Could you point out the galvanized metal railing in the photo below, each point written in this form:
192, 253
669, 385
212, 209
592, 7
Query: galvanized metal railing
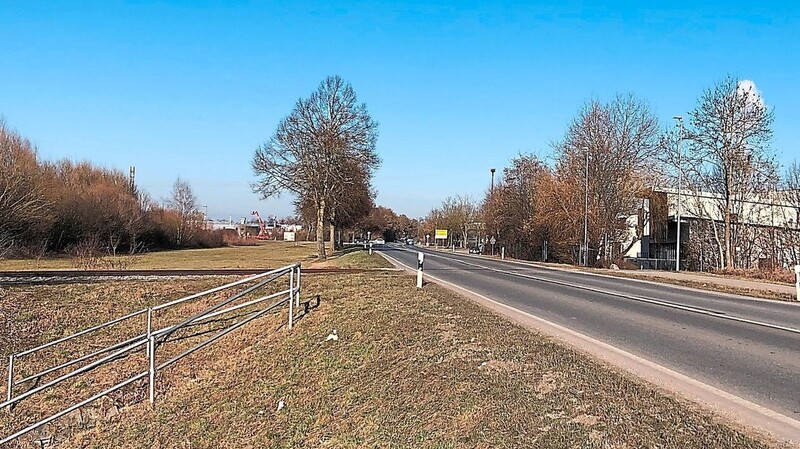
151, 339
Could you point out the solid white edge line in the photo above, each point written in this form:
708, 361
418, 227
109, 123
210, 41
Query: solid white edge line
638, 298
740, 297
753, 407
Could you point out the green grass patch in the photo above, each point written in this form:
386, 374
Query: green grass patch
271, 254
361, 258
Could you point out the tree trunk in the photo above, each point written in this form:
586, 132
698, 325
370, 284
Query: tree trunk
333, 237
321, 230
728, 242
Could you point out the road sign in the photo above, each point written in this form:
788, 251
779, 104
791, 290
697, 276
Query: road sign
493, 240
441, 234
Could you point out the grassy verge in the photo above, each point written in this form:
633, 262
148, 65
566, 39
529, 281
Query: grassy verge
265, 255
359, 259
709, 286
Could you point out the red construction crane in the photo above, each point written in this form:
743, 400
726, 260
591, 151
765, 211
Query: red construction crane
262, 228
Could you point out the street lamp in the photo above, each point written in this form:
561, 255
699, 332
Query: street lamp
679, 120
205, 217
586, 212
492, 188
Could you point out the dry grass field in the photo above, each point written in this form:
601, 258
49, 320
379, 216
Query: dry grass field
410, 368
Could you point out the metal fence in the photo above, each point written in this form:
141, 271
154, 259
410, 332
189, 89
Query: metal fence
150, 339
645, 263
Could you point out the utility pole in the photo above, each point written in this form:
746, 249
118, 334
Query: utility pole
680, 177
586, 212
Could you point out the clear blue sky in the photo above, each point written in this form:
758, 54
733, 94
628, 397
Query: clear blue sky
191, 88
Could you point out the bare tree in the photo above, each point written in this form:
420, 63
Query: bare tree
790, 237
619, 142
346, 208
22, 202
308, 151
728, 154
184, 202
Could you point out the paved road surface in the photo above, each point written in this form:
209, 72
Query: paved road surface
750, 348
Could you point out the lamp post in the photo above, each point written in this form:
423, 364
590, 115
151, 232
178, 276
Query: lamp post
494, 218
679, 120
205, 217
586, 212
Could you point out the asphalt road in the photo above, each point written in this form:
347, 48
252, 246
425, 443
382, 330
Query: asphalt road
749, 348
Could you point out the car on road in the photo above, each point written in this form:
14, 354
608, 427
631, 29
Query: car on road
380, 241
476, 250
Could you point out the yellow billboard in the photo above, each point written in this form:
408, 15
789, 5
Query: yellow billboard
441, 234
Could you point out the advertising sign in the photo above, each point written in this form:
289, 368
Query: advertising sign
441, 234
288, 236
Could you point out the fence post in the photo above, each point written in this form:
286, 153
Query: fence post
151, 352
297, 303
291, 298
149, 328
797, 282
10, 392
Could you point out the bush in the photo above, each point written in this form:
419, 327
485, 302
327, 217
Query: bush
773, 275
204, 238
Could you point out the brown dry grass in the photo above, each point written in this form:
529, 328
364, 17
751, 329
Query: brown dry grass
270, 254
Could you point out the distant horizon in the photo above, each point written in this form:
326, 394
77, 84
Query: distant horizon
184, 90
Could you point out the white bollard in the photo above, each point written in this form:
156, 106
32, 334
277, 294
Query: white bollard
797, 282
502, 252
420, 260
370, 249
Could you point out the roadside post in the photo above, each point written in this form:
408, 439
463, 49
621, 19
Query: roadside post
502, 252
370, 248
420, 260
797, 282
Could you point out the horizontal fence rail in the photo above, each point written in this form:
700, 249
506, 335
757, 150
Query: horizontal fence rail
151, 339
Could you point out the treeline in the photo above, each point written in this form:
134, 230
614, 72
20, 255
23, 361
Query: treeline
583, 203
78, 207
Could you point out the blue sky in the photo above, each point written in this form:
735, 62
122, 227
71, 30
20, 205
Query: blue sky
191, 88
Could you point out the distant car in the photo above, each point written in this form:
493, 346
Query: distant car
475, 250
409, 241
380, 241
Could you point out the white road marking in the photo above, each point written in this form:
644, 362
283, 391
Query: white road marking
632, 297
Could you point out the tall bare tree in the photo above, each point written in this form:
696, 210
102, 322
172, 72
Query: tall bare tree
184, 202
621, 140
728, 152
323, 133
22, 202
790, 237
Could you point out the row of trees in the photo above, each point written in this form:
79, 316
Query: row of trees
610, 157
63, 206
